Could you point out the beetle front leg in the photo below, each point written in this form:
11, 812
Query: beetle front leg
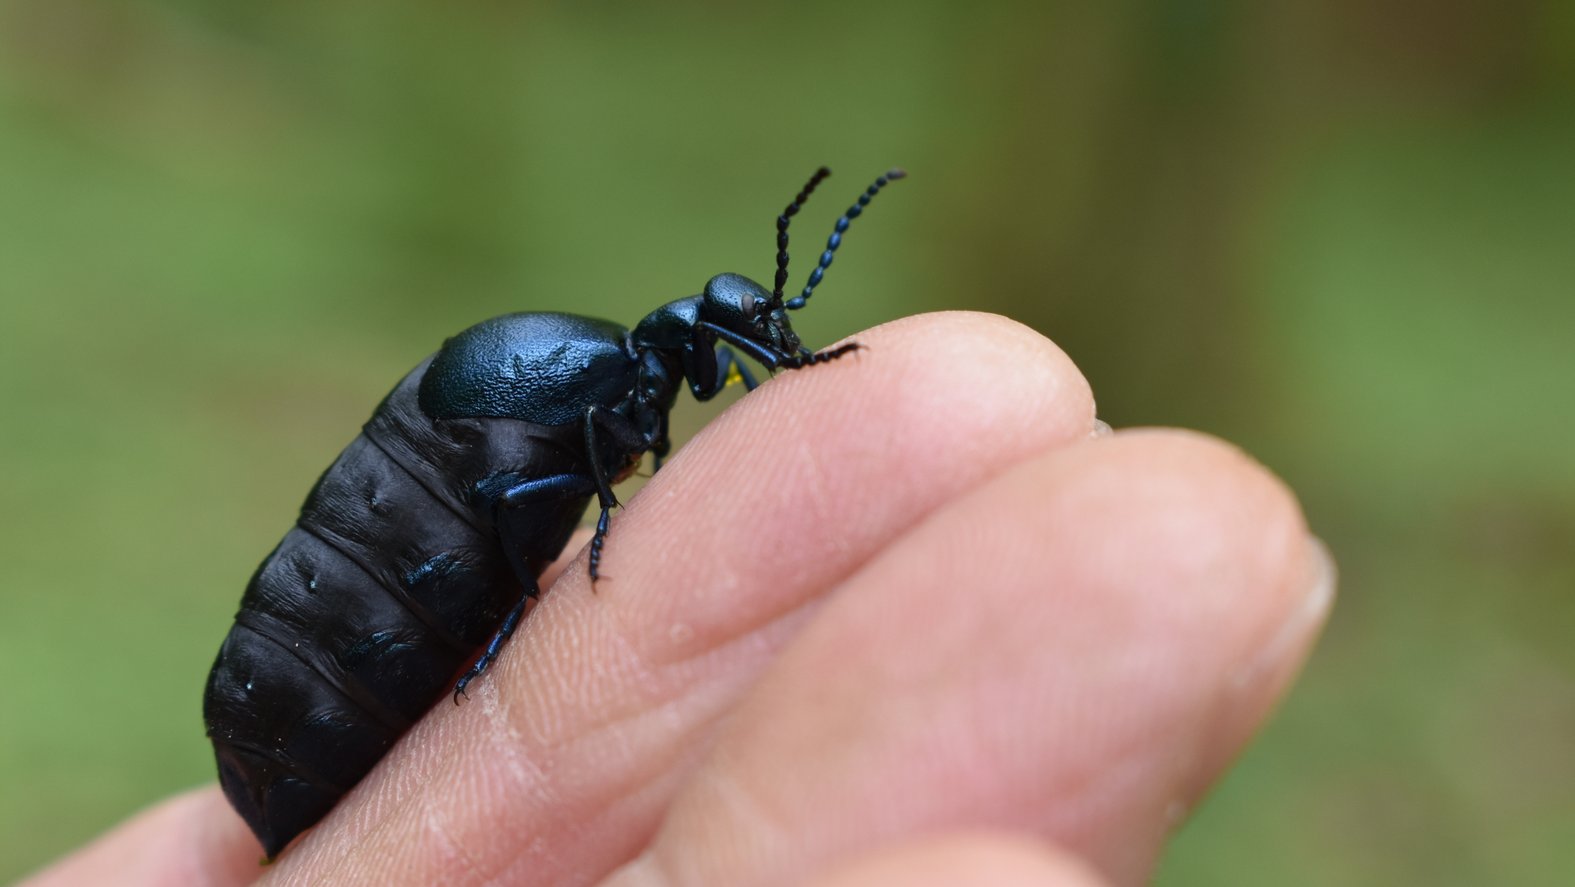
806, 357
767, 357
776, 359
726, 360
662, 447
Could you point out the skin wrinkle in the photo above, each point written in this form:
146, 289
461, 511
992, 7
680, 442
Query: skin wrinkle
523, 775
691, 727
435, 835
525, 864
721, 784
658, 672
529, 776
520, 777
630, 670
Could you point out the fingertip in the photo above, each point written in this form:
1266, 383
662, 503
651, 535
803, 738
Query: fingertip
955, 357
924, 376
1224, 524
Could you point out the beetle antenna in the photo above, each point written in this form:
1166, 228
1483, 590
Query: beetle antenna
782, 235
835, 240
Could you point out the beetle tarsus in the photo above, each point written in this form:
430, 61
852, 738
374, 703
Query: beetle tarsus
811, 358
597, 541
505, 630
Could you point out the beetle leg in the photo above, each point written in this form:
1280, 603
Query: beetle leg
627, 441
726, 360
557, 486
770, 358
776, 359
661, 448
514, 515
510, 622
604, 493
701, 365
810, 358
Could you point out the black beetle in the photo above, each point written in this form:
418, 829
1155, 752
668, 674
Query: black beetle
417, 550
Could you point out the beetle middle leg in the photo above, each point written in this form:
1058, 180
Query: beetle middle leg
727, 361
662, 447
627, 440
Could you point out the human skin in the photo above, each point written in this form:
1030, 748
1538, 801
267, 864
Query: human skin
905, 617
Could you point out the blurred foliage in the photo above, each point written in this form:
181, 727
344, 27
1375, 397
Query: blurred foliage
1339, 234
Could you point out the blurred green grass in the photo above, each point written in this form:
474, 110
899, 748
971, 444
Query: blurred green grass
1340, 238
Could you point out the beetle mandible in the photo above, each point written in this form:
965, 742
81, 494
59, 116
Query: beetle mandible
418, 550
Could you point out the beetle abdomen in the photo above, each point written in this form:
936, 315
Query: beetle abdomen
347, 634
391, 581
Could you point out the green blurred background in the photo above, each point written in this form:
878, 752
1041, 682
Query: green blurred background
1342, 238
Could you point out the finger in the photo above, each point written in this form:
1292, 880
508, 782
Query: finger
996, 860
194, 839
1075, 648
560, 766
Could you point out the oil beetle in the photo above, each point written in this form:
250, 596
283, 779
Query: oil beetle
417, 551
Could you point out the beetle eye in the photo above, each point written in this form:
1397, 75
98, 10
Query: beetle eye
747, 303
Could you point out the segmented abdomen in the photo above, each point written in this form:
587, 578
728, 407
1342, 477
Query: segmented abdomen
347, 634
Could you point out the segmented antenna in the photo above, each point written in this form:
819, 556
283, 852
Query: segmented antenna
836, 237
782, 235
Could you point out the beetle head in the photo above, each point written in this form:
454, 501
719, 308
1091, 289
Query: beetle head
747, 308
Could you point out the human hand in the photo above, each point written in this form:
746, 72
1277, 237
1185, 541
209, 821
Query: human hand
902, 619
